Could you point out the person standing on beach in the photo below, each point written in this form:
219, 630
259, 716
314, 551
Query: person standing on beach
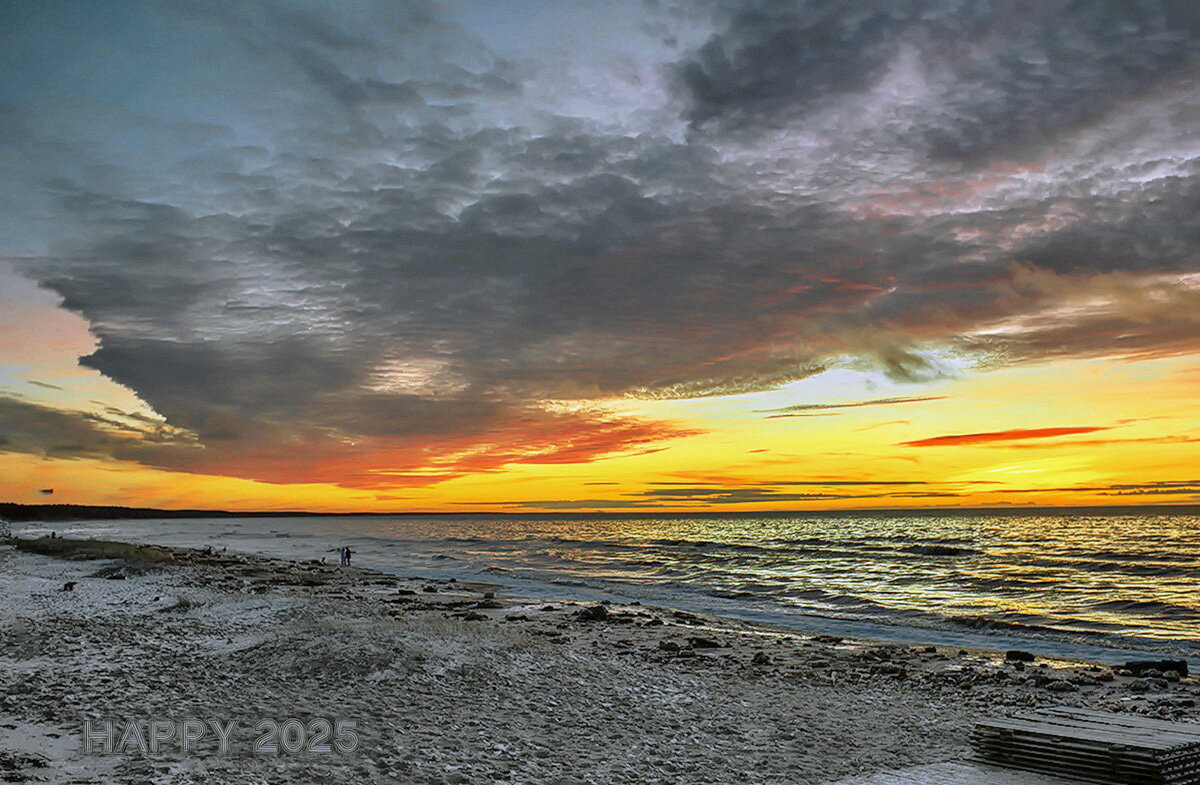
349, 553
342, 558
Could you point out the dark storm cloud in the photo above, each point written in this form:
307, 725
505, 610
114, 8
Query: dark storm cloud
1008, 72
364, 231
28, 427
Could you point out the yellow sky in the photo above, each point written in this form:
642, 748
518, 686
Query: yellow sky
1131, 437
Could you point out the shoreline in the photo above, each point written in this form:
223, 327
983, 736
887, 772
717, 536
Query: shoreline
419, 662
905, 627
908, 635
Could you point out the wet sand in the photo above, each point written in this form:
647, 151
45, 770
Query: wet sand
448, 682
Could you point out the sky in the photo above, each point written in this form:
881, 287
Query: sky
571, 256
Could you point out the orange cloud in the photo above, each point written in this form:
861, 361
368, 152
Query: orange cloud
1011, 435
381, 463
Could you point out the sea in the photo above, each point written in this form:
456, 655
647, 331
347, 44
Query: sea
1101, 586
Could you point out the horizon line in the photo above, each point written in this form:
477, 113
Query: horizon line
149, 512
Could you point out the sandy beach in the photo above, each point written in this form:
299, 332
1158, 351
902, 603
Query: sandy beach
445, 682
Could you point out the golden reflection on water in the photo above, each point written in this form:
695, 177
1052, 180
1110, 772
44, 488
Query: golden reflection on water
1119, 574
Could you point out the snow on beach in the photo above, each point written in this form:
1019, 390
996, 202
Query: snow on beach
449, 682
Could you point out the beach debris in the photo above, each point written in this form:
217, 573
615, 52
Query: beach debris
1017, 655
69, 586
760, 658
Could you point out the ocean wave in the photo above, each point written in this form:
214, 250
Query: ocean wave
941, 550
1156, 608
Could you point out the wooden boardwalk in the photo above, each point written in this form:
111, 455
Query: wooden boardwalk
1065, 746
955, 774
1093, 746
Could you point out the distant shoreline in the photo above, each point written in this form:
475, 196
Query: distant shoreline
24, 513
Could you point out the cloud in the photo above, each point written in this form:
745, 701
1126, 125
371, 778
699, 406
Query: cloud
1012, 435
1153, 488
989, 75
674, 494
388, 234
1173, 439
828, 482
791, 411
281, 454
28, 427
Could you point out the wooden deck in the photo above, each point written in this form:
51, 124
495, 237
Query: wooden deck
1062, 747
955, 774
1092, 746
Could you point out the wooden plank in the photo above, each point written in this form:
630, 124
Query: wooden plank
1101, 747
1178, 732
1066, 743
955, 773
1104, 768
1187, 729
1018, 727
1152, 738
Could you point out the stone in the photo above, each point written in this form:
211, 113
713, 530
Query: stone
1140, 667
703, 643
1058, 685
593, 613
